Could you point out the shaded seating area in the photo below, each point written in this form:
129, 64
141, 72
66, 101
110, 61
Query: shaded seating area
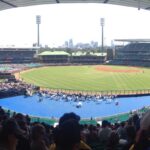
17, 55
135, 54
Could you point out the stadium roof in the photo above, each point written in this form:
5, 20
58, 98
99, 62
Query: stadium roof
133, 40
46, 53
99, 54
91, 54
79, 54
7, 4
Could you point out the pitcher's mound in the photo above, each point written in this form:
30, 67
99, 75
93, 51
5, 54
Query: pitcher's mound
121, 70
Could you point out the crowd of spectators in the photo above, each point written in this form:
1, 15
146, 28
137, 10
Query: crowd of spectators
17, 55
11, 68
15, 88
134, 54
18, 133
76, 97
9, 86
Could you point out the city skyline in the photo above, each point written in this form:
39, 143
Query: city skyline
70, 44
80, 22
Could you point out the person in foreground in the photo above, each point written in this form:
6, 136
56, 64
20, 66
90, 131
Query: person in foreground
9, 135
67, 135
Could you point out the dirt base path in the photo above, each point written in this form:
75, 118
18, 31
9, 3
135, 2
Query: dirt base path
110, 69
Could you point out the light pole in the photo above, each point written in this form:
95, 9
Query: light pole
102, 21
38, 22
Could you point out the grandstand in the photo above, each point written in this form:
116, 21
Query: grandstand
62, 57
91, 58
135, 53
17, 55
53, 57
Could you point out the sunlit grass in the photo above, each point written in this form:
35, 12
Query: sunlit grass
87, 78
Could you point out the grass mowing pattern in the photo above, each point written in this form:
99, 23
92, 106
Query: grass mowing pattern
87, 78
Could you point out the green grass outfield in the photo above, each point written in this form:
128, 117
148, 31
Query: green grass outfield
88, 78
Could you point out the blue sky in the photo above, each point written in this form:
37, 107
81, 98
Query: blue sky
81, 22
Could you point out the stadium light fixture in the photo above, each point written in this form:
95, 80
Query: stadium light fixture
102, 22
38, 22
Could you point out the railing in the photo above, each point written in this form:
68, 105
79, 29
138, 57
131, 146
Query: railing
135, 92
112, 119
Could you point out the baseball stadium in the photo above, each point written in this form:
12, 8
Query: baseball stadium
40, 90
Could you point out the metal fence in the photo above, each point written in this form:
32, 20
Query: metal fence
135, 92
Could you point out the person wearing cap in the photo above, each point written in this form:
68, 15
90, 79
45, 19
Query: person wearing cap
9, 135
67, 135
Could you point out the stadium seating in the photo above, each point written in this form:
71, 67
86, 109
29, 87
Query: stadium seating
135, 54
17, 56
57, 57
87, 59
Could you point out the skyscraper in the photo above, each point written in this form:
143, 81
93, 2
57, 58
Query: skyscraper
70, 44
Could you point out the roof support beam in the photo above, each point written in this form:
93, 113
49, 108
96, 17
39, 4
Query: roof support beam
105, 1
147, 8
139, 4
10, 4
57, 1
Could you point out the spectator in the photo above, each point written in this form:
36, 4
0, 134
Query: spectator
104, 132
121, 131
73, 119
9, 135
131, 133
68, 136
38, 135
113, 141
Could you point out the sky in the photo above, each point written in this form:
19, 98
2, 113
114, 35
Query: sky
80, 22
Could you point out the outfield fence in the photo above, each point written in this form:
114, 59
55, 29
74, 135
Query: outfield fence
137, 92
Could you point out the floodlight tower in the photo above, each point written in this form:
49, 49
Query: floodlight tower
102, 21
38, 22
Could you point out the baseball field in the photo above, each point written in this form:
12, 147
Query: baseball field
89, 78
